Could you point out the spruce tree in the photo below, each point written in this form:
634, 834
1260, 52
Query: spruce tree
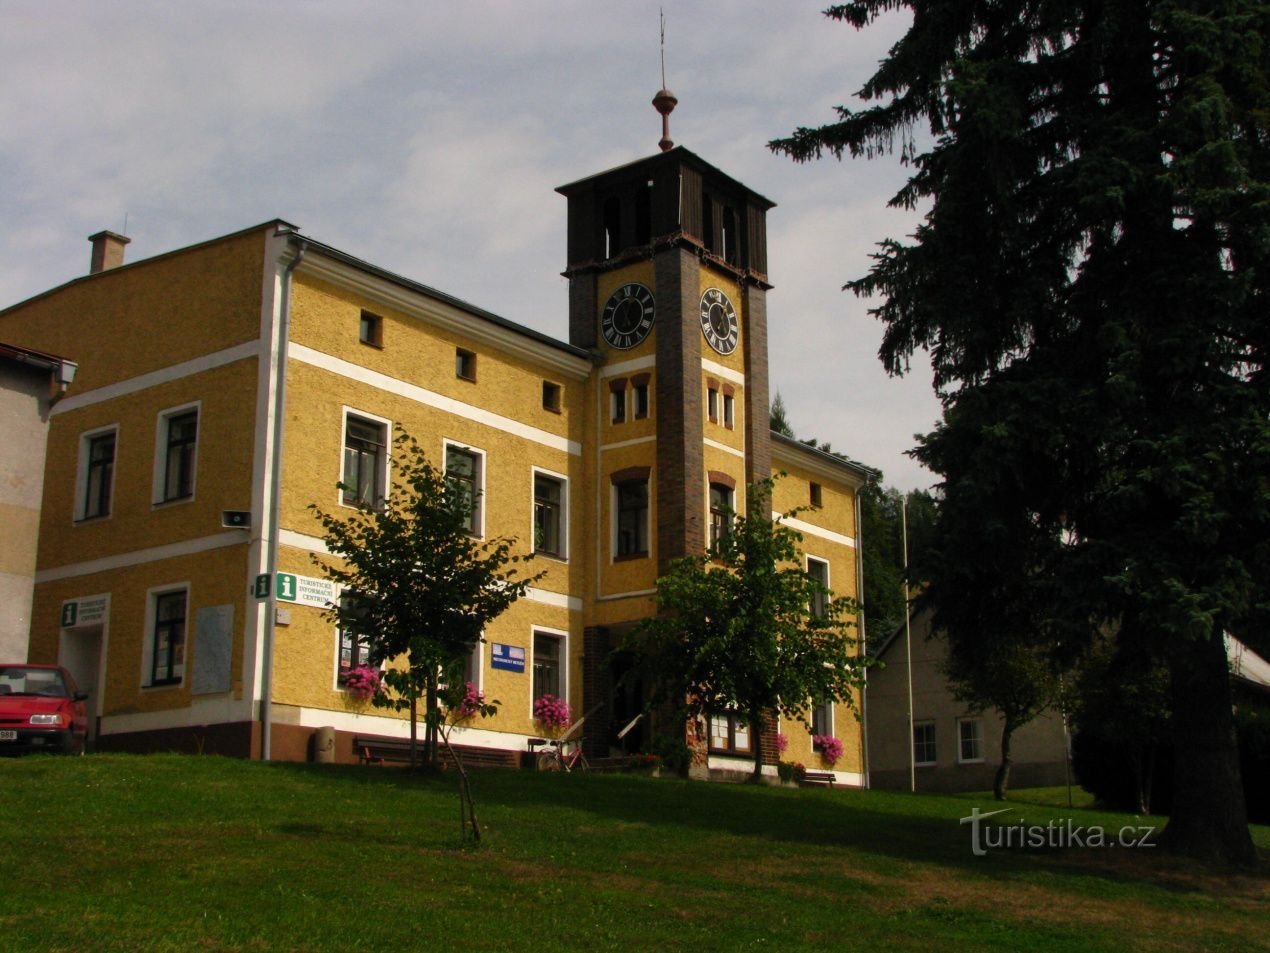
1090, 278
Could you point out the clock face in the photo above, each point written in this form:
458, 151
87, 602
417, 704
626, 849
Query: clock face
718, 321
628, 315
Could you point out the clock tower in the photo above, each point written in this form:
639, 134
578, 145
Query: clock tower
667, 269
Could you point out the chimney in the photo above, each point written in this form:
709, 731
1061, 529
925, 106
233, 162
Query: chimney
107, 251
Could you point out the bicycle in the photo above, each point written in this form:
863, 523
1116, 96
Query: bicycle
554, 756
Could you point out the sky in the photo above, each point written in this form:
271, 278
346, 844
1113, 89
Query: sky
429, 137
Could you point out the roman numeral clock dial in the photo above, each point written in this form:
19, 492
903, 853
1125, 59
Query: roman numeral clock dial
718, 321
628, 315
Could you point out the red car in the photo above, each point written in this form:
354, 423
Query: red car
41, 710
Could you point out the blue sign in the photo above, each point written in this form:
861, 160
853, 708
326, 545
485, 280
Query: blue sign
510, 658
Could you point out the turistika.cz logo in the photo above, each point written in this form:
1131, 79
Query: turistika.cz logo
1055, 834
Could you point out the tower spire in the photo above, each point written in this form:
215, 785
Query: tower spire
664, 102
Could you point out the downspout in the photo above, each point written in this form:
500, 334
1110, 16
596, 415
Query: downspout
864, 644
275, 499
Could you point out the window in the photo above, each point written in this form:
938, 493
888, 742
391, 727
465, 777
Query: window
98, 463
721, 509
549, 515
822, 718
167, 643
639, 394
924, 742
551, 396
712, 403
617, 400
729, 411
464, 364
371, 330
970, 740
729, 733
632, 517
817, 495
463, 470
818, 569
178, 443
354, 650
365, 461
548, 665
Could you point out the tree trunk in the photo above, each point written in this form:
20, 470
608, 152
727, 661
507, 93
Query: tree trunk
1001, 782
756, 742
430, 727
414, 727
1209, 820
1148, 778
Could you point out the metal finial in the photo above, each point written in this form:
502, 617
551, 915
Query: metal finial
664, 102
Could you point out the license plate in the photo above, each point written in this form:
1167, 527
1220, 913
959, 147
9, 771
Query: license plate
8, 735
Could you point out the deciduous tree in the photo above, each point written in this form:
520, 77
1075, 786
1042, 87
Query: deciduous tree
736, 629
415, 584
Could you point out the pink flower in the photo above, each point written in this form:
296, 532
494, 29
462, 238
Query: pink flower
552, 713
830, 748
471, 703
782, 742
362, 682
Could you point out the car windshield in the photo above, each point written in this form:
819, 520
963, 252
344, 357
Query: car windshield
25, 680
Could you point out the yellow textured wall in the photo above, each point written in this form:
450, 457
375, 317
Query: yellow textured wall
143, 317
222, 477
216, 578
327, 319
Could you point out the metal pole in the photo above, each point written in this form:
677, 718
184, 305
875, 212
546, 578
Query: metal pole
908, 652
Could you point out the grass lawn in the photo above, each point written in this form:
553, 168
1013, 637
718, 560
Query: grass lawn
116, 852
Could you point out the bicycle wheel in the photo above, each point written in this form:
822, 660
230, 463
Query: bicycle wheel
549, 761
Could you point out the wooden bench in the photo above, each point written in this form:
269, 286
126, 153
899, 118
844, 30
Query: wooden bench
818, 777
379, 750
373, 750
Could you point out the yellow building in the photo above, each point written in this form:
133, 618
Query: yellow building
225, 387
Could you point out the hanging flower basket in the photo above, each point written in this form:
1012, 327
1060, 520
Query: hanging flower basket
552, 714
362, 682
830, 748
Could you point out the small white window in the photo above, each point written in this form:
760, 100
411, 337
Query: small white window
465, 471
550, 664
364, 473
818, 569
729, 411
163, 654
95, 480
969, 740
551, 514
176, 453
822, 718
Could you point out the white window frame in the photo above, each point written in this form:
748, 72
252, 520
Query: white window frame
81, 474
384, 422
335, 675
563, 480
829, 706
730, 517
978, 723
163, 422
147, 644
481, 477
820, 560
912, 740
729, 411
563, 637
617, 400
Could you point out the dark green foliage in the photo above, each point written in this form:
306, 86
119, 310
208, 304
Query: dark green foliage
735, 628
780, 417
882, 532
1090, 278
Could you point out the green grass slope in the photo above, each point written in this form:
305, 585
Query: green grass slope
168, 853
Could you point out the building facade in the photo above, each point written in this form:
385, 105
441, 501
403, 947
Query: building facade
229, 385
952, 746
30, 383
